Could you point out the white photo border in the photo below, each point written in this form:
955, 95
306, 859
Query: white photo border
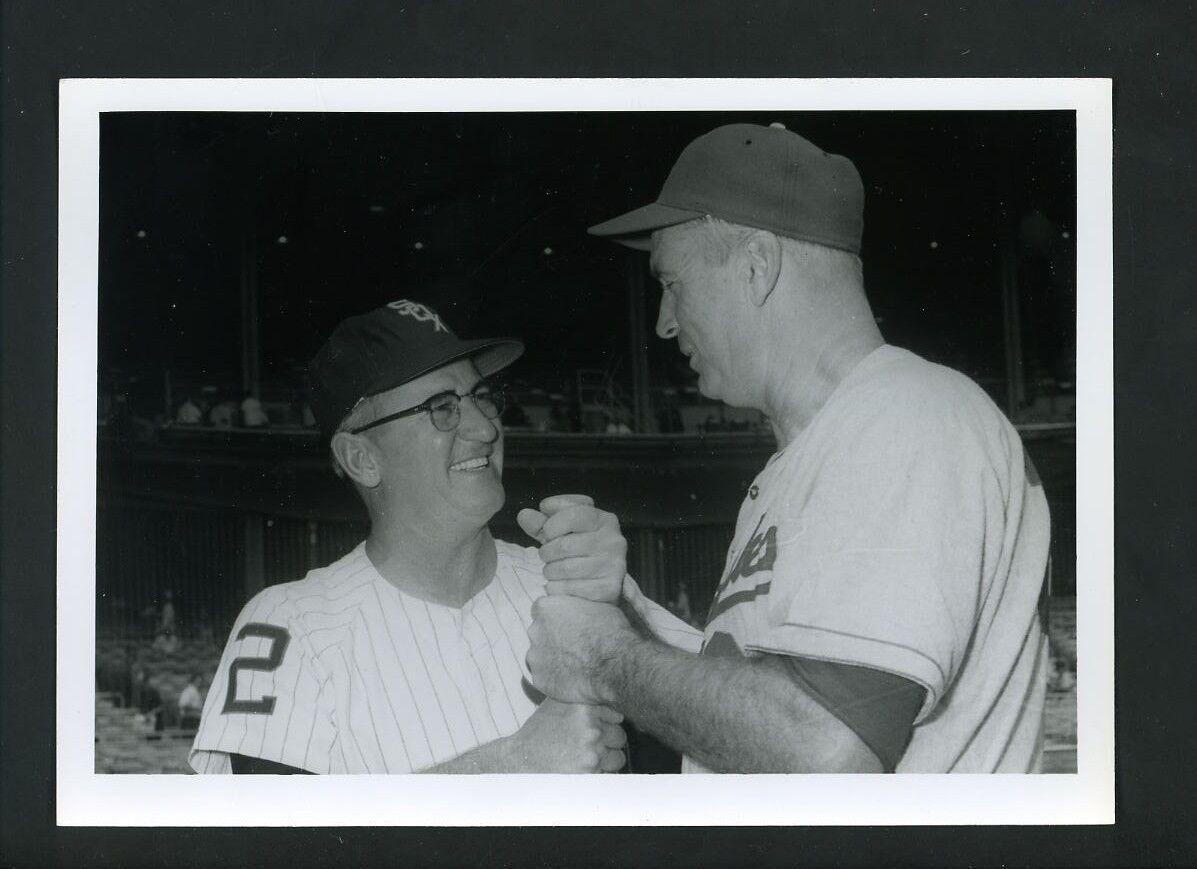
87, 798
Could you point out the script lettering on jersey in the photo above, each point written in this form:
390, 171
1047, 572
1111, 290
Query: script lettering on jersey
759, 553
279, 638
416, 311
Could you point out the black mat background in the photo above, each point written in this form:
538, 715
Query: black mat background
1146, 48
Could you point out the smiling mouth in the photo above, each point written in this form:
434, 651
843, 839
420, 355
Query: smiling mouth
474, 464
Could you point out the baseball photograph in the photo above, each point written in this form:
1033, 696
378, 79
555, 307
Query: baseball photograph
621, 433
663, 441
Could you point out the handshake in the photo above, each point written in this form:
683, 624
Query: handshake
575, 628
583, 550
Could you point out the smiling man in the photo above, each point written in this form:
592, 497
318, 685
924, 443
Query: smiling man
881, 604
407, 654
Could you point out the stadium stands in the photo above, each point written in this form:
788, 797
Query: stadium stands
1059, 754
127, 744
126, 740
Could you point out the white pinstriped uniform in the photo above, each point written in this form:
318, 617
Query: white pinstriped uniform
367, 679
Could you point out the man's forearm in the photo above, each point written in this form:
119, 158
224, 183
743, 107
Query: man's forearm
493, 757
730, 714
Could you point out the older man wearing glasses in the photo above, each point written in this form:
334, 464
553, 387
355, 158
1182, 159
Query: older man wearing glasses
407, 654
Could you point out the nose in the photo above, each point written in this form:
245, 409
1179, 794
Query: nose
474, 425
666, 320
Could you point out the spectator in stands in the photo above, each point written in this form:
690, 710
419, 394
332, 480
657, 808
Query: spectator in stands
1063, 671
166, 639
146, 698
224, 414
167, 643
116, 675
680, 606
558, 419
252, 414
189, 412
167, 617
1063, 678
515, 416
669, 419
205, 633
191, 702
617, 424
159, 616
136, 685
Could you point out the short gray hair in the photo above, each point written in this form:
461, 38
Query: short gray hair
717, 238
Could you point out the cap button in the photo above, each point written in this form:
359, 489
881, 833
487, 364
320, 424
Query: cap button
778, 125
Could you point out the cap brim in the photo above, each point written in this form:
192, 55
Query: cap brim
495, 354
490, 355
635, 228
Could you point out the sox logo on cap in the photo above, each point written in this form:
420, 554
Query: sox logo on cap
417, 311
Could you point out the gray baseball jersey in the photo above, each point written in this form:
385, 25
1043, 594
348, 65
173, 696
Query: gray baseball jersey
904, 530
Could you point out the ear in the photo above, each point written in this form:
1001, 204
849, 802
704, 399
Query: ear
763, 252
355, 455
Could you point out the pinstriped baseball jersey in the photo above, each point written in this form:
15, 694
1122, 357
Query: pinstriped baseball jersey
341, 672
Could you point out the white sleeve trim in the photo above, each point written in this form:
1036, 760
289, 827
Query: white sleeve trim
207, 762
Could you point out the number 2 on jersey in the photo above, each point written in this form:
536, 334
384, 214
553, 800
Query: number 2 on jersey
279, 638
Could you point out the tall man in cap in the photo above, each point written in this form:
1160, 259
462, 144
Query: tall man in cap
407, 654
881, 604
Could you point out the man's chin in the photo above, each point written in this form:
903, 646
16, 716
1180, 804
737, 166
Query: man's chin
708, 389
484, 500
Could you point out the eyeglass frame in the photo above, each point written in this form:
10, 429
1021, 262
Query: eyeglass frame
492, 386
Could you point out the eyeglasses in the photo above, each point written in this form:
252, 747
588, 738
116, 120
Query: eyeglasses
444, 408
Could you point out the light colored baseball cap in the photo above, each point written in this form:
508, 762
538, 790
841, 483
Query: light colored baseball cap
764, 177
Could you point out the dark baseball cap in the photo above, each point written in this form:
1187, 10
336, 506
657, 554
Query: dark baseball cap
388, 347
764, 177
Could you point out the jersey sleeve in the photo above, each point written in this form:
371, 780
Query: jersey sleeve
269, 698
663, 624
882, 567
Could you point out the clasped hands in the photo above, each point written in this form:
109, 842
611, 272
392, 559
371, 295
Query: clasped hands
577, 627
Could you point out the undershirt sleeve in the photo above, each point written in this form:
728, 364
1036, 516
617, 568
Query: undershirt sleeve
243, 765
879, 707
